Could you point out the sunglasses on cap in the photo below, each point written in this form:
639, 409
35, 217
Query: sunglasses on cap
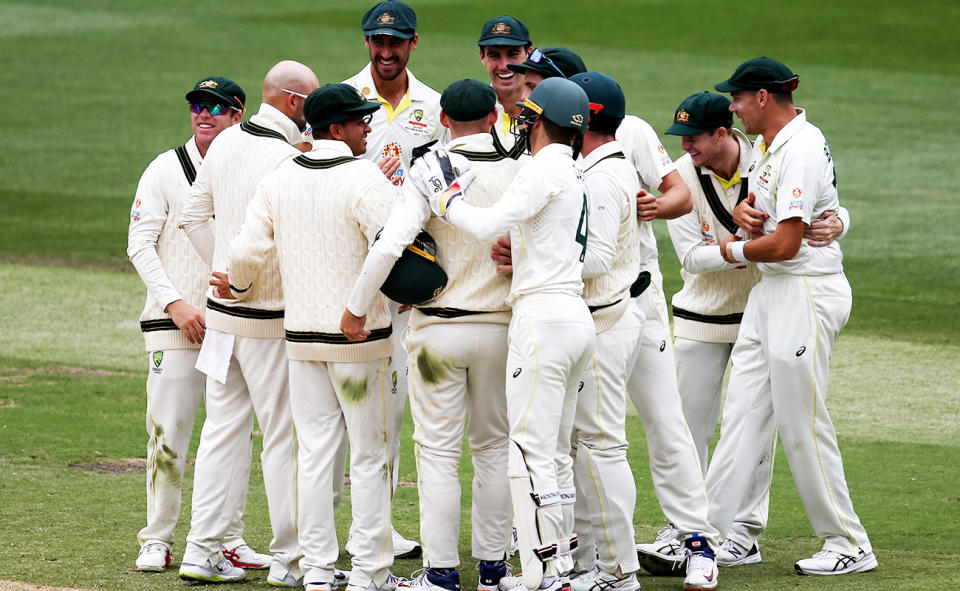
212, 108
538, 57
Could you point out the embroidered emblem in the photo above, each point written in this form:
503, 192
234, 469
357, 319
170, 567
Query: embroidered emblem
500, 29
385, 19
207, 84
683, 116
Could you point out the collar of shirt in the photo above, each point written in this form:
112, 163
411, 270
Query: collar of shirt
599, 154
788, 131
329, 149
741, 173
194, 152
554, 150
416, 90
477, 142
272, 118
503, 118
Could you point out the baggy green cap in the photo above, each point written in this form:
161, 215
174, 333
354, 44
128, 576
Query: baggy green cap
504, 30
392, 18
335, 103
761, 73
704, 111
225, 89
468, 100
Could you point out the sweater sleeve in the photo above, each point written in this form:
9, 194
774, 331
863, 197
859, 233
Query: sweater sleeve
197, 213
147, 218
248, 250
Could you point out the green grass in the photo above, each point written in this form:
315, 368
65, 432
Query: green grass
94, 90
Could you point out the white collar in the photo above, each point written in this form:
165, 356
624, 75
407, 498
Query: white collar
272, 118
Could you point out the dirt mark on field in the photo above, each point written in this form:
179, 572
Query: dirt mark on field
18, 586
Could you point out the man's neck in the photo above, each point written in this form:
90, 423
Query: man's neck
592, 141
391, 91
202, 147
729, 159
509, 103
776, 121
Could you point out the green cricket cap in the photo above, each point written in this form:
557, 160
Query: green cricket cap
761, 73
504, 30
468, 100
224, 89
392, 18
550, 62
416, 277
335, 103
704, 111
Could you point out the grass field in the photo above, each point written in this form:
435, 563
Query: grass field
93, 91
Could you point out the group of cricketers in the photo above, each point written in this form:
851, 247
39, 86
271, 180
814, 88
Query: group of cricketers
522, 209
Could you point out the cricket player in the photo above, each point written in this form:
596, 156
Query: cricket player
708, 310
410, 117
606, 493
551, 334
504, 41
173, 326
335, 385
782, 354
246, 359
458, 350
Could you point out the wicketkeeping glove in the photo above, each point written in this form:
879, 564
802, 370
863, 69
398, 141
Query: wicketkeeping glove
441, 177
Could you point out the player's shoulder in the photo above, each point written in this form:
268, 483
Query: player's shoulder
634, 127
419, 90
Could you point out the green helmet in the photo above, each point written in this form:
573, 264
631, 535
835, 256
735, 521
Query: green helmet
561, 101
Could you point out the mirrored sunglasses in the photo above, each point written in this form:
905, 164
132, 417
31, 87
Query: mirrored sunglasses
537, 57
212, 108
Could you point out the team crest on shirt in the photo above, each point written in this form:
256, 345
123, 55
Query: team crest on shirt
664, 157
797, 193
420, 122
764, 178
393, 383
707, 236
157, 360
418, 114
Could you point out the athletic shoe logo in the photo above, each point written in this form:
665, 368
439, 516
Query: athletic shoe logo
663, 346
801, 351
580, 387
517, 372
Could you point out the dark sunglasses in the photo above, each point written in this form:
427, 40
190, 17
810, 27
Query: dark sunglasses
212, 108
537, 57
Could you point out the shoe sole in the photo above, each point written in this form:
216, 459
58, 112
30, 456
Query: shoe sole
867, 565
149, 569
752, 559
701, 587
203, 579
414, 553
659, 565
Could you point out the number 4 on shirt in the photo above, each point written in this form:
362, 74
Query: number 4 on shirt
582, 228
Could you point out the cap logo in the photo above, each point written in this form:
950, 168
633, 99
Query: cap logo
500, 29
683, 116
386, 19
207, 84
577, 120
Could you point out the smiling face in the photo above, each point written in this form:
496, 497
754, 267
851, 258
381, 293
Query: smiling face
352, 132
705, 148
495, 59
206, 126
746, 105
389, 55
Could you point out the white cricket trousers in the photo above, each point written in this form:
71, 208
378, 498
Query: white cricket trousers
174, 392
781, 364
700, 369
606, 491
256, 383
457, 369
551, 342
674, 464
329, 399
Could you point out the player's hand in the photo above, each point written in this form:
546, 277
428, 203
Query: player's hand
188, 319
502, 254
305, 146
748, 217
646, 206
221, 286
388, 166
725, 248
401, 308
824, 230
352, 326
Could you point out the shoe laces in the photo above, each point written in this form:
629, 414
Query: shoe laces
153, 546
826, 554
667, 533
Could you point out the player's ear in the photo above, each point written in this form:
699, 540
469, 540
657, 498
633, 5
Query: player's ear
492, 118
444, 119
413, 41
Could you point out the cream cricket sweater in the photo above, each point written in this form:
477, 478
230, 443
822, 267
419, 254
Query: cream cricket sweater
475, 292
613, 241
319, 213
167, 263
238, 159
710, 305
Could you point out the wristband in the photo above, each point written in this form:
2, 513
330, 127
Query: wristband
736, 251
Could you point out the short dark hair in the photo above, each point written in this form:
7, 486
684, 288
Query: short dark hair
557, 134
783, 98
603, 124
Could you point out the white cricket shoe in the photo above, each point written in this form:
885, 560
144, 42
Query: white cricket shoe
732, 553
221, 572
515, 583
244, 556
390, 584
598, 580
404, 548
340, 577
287, 579
511, 582
433, 579
701, 565
665, 556
154, 557
828, 562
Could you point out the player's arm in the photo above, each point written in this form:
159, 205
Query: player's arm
674, 200
147, 218
196, 215
695, 254
830, 226
525, 197
782, 245
407, 215
605, 203
655, 169
249, 249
